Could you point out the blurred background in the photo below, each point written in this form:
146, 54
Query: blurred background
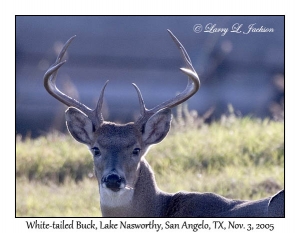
243, 69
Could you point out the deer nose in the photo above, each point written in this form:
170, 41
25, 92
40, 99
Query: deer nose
113, 182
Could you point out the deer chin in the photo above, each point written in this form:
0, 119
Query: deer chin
113, 199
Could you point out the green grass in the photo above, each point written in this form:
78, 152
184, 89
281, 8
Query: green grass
240, 158
75, 199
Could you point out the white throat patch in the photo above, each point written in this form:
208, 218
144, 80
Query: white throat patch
109, 198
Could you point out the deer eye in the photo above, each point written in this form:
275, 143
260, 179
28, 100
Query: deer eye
136, 151
96, 151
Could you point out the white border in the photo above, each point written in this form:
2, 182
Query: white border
74, 7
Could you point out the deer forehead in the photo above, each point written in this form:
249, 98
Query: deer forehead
112, 135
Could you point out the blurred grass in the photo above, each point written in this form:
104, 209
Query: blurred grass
72, 199
240, 158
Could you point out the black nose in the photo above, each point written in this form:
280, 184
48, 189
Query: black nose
113, 182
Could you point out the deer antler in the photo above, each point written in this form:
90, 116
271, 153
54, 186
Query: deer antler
95, 115
191, 88
49, 83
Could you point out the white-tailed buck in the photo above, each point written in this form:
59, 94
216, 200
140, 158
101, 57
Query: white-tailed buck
126, 181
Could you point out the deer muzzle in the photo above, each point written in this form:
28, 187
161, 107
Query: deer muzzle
113, 182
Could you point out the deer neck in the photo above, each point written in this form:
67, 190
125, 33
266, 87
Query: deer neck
147, 199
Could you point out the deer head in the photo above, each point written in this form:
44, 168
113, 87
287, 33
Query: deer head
118, 149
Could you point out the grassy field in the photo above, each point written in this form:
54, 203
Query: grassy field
240, 158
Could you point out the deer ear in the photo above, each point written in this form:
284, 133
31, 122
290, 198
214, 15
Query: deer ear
79, 125
157, 127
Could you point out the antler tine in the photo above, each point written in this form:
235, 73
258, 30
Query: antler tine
184, 53
60, 56
98, 108
191, 88
50, 85
64, 49
141, 101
